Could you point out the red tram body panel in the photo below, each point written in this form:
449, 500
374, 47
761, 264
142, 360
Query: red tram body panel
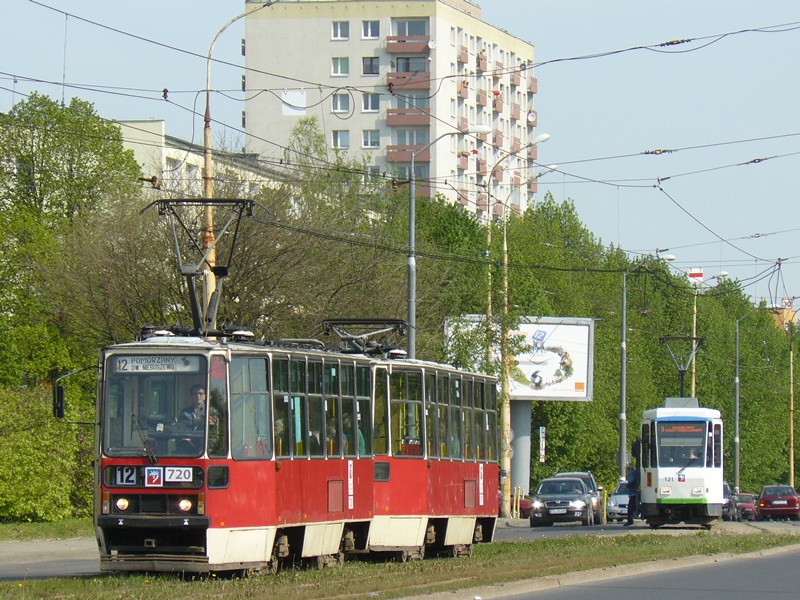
296, 453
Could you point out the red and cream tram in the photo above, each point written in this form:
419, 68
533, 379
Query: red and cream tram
296, 452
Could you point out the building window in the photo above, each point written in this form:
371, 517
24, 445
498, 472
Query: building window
409, 64
412, 26
370, 65
370, 102
412, 137
372, 175
340, 66
341, 103
413, 101
341, 138
340, 30
371, 138
370, 30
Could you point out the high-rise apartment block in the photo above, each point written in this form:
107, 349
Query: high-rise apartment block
388, 80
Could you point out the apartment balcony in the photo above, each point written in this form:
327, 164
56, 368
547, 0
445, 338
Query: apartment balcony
497, 105
463, 55
516, 144
533, 85
516, 111
517, 178
533, 186
533, 153
463, 161
483, 98
463, 197
516, 78
417, 80
403, 154
481, 167
532, 119
481, 63
497, 174
407, 117
463, 89
463, 124
407, 44
497, 138
498, 69
483, 202
498, 209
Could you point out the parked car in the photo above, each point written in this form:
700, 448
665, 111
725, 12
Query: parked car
561, 499
524, 505
744, 507
617, 505
727, 514
594, 491
778, 502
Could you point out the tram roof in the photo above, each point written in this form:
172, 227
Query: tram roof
172, 343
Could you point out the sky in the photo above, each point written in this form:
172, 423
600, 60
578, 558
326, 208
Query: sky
721, 107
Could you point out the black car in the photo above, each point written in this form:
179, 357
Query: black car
727, 506
594, 491
561, 499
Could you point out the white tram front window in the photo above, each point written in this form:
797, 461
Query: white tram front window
158, 405
681, 443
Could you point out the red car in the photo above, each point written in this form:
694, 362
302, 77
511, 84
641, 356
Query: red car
745, 507
524, 505
778, 502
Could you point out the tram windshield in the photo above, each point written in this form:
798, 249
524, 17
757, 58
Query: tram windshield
681, 444
158, 405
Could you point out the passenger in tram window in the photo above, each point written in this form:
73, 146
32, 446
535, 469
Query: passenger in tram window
281, 440
348, 431
332, 435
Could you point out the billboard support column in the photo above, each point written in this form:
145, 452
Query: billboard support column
521, 445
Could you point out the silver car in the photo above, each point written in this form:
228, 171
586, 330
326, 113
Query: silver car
617, 506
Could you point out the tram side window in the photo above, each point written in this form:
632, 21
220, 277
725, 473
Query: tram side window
645, 445
316, 410
717, 445
406, 417
491, 438
299, 408
218, 412
333, 427
364, 405
456, 420
381, 439
250, 408
468, 421
443, 414
281, 407
431, 429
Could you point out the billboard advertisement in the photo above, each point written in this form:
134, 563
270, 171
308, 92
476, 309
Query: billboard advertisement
554, 357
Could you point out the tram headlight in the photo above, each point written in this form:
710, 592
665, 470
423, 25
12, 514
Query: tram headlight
122, 504
185, 505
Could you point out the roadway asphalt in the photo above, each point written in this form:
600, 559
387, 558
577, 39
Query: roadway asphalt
74, 553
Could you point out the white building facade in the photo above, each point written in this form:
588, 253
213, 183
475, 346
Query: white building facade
385, 79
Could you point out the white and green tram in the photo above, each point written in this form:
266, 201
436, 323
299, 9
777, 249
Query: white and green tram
680, 467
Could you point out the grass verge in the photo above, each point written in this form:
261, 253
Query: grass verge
490, 564
59, 530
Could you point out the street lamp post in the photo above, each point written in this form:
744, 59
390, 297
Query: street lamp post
736, 406
208, 241
623, 372
412, 242
505, 397
718, 276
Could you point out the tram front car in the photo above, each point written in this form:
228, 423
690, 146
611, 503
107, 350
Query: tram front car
681, 464
151, 471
